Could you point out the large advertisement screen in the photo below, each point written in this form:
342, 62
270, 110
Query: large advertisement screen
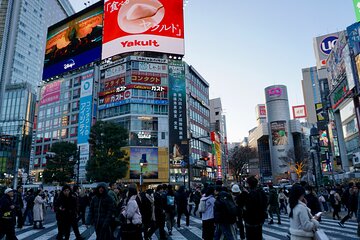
279, 133
149, 158
178, 144
74, 42
143, 25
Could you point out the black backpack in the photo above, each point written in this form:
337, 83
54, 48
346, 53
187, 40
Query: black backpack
332, 199
228, 206
255, 207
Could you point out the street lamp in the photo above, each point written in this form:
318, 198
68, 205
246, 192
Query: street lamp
142, 163
314, 148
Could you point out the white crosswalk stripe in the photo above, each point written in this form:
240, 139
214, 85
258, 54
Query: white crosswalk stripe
270, 232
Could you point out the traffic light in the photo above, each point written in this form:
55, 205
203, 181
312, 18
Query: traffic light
205, 158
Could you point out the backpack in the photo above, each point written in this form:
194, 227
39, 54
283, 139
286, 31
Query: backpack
229, 207
255, 208
170, 200
332, 199
202, 206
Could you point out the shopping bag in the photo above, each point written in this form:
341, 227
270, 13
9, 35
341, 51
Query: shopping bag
321, 235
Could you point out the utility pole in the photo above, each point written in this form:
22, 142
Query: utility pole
78, 166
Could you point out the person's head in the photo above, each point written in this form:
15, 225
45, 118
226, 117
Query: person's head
76, 189
101, 188
253, 182
218, 189
9, 192
170, 189
209, 191
159, 188
131, 192
235, 189
66, 190
20, 189
297, 193
112, 185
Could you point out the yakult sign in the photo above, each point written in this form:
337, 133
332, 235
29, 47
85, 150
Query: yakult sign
143, 25
323, 46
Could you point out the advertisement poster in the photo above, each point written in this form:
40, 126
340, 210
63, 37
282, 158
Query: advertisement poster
299, 111
85, 114
149, 156
178, 143
50, 93
74, 42
320, 113
353, 32
139, 25
279, 133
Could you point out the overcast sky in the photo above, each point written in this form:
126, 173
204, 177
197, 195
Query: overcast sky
242, 46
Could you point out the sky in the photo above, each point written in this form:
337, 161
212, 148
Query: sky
242, 46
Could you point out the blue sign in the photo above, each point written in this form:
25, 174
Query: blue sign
353, 32
327, 44
126, 101
75, 62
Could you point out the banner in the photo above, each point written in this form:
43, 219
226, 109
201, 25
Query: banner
85, 114
138, 25
178, 142
50, 93
357, 9
279, 133
149, 158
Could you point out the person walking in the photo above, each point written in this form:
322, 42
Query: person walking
132, 217
283, 201
358, 215
84, 202
196, 199
312, 201
255, 206
238, 198
207, 212
28, 213
74, 224
65, 210
160, 204
148, 212
38, 209
302, 223
351, 205
7, 215
273, 205
181, 204
100, 213
170, 209
335, 201
19, 205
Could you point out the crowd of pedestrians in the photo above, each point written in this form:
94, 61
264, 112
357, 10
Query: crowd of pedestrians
122, 212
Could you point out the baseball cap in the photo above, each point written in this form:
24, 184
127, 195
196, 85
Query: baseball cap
235, 188
8, 190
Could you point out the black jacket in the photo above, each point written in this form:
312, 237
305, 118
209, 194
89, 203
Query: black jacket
6, 212
313, 203
65, 207
181, 199
255, 206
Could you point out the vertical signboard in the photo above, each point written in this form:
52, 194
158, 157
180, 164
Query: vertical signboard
279, 134
178, 142
139, 25
85, 118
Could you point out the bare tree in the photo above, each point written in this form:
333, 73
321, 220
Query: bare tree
239, 158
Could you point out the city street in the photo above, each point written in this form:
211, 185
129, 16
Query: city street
270, 232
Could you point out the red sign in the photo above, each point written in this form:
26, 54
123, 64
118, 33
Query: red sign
114, 82
143, 25
50, 93
145, 79
299, 111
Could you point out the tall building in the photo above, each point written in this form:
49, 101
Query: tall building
23, 25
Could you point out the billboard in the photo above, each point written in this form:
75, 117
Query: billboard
279, 133
320, 112
50, 93
178, 143
139, 25
149, 156
323, 46
276, 92
299, 111
260, 111
85, 115
357, 9
74, 42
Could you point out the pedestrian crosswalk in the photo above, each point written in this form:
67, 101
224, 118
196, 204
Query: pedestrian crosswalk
194, 231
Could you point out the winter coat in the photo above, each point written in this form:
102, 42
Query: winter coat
101, 209
302, 225
38, 208
132, 212
114, 197
30, 201
18, 200
358, 209
255, 206
353, 202
181, 199
6, 212
209, 207
159, 203
65, 208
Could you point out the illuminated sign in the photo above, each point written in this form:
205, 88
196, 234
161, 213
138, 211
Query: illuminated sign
157, 88
114, 82
138, 25
74, 42
144, 135
275, 92
145, 79
50, 93
327, 44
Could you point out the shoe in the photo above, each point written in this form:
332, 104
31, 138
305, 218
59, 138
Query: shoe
271, 222
341, 225
170, 233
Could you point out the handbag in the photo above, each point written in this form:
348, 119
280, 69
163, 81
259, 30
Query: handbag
320, 235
